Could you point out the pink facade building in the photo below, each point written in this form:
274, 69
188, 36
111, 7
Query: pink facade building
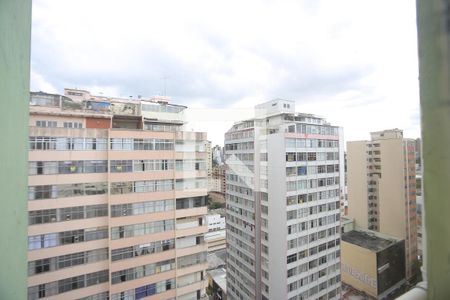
117, 199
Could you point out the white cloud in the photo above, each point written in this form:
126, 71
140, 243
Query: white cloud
39, 83
353, 62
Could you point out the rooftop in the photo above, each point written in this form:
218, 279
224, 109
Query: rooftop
82, 103
216, 259
220, 277
368, 240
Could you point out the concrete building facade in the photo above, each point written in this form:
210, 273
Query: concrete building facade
215, 222
218, 183
209, 164
382, 188
373, 263
215, 238
284, 179
217, 155
116, 199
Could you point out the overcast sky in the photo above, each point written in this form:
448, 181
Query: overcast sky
353, 62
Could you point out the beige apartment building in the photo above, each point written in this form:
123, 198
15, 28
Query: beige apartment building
372, 263
117, 199
218, 179
382, 188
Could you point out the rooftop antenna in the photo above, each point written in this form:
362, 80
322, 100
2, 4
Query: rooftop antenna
164, 78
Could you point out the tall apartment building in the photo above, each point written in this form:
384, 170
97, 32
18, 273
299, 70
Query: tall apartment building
117, 194
284, 178
217, 154
218, 183
382, 188
208, 163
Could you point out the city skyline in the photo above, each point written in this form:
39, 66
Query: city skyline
114, 189
334, 60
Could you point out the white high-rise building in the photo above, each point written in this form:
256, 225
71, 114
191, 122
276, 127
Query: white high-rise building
285, 174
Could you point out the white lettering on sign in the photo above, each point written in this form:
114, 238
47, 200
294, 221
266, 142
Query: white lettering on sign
363, 277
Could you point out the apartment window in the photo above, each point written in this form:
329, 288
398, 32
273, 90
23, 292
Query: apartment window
301, 156
322, 286
191, 183
141, 229
63, 143
145, 291
302, 254
42, 216
312, 265
141, 186
140, 165
141, 208
302, 226
292, 214
67, 237
189, 260
142, 249
73, 125
95, 144
322, 260
142, 271
322, 247
264, 209
322, 234
67, 214
184, 203
67, 167
66, 190
290, 156
331, 244
291, 272
190, 165
100, 296
312, 183
65, 261
302, 198
312, 156
46, 123
290, 143
291, 200
161, 127
141, 144
68, 284
72, 283
40, 266
292, 243
291, 258
42, 143
302, 170
313, 290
